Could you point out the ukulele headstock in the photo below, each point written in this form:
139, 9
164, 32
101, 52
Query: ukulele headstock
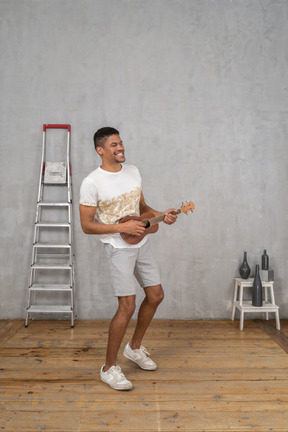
188, 207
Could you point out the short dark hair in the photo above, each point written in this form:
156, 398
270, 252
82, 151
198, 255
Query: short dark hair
102, 134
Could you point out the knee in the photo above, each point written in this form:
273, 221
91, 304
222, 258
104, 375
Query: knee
155, 297
130, 310
160, 297
127, 308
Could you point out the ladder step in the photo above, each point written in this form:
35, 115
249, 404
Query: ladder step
54, 183
52, 245
49, 309
50, 287
53, 224
51, 266
52, 258
53, 204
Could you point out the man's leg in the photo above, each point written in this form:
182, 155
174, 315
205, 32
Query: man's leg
154, 296
117, 329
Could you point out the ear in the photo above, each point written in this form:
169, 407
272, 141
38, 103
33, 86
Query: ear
99, 150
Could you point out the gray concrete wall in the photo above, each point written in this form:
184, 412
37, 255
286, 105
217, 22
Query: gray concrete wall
198, 89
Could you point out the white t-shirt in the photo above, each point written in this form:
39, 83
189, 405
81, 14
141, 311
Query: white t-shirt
115, 195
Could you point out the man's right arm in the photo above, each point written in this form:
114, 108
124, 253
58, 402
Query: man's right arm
90, 226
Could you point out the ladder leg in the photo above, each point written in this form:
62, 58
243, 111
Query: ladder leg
72, 319
27, 318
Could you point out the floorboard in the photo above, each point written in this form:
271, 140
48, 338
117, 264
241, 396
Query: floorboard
211, 377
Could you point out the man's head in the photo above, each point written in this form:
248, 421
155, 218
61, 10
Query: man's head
109, 147
102, 134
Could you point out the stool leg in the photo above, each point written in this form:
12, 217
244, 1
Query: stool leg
277, 320
234, 300
241, 295
272, 294
241, 319
233, 313
266, 300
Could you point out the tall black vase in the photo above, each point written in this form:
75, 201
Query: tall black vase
244, 269
257, 289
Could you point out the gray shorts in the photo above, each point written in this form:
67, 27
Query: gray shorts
128, 265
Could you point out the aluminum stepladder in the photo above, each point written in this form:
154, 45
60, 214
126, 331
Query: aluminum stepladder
51, 285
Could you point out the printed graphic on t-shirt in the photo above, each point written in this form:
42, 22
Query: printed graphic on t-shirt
110, 211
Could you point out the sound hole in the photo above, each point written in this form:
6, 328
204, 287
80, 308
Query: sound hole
146, 223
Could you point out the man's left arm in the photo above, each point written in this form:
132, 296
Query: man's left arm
170, 218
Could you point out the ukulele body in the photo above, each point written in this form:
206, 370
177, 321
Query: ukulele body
149, 228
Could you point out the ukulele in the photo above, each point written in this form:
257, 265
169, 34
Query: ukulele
151, 222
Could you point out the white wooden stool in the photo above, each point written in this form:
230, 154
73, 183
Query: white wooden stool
246, 306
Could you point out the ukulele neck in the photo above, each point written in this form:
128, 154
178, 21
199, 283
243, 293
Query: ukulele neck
160, 218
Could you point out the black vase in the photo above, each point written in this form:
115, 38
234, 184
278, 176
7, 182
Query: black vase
265, 261
244, 269
257, 289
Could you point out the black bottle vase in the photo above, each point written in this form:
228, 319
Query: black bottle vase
244, 269
265, 261
257, 289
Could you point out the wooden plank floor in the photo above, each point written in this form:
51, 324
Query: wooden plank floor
211, 377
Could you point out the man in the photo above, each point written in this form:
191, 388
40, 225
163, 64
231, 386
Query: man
108, 194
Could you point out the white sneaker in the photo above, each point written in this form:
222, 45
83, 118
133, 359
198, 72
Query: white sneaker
115, 378
140, 357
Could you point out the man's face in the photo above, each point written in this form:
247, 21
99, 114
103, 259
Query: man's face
113, 150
